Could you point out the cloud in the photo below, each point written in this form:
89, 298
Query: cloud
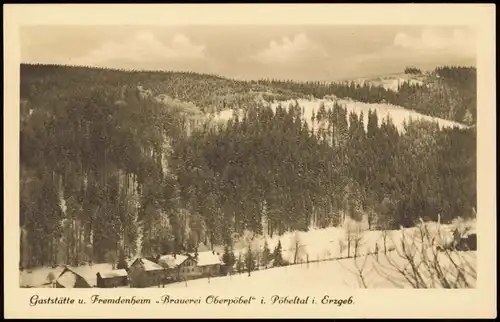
433, 40
289, 50
143, 47
430, 47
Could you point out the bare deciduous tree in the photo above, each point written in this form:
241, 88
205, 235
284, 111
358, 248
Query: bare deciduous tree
297, 248
342, 247
354, 236
418, 261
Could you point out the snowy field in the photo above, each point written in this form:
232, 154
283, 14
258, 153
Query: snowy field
323, 248
329, 243
328, 266
392, 82
398, 114
318, 276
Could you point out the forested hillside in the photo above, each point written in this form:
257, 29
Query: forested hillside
114, 163
210, 93
271, 167
447, 92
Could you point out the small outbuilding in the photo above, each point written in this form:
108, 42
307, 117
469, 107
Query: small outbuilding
113, 278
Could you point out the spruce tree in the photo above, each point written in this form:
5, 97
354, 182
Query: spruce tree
249, 261
228, 258
277, 255
240, 265
122, 261
266, 255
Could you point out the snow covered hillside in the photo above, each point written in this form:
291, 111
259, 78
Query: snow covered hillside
332, 242
398, 114
318, 246
392, 81
378, 272
322, 264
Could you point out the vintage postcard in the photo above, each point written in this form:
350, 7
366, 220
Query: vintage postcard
249, 161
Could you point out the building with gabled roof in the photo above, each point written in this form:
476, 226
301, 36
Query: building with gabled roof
208, 259
209, 263
145, 273
172, 261
190, 266
70, 278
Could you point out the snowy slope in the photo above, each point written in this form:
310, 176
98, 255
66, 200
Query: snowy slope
391, 82
315, 244
331, 242
326, 271
317, 276
398, 114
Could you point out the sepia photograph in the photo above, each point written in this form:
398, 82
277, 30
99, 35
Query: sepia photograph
203, 158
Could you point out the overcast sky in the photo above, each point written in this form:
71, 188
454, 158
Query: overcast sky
251, 52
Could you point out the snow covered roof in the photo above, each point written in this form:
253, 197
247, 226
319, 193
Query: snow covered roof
78, 270
207, 258
67, 278
114, 273
203, 259
150, 266
172, 262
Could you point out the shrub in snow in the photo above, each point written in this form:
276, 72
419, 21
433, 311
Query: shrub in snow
51, 278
